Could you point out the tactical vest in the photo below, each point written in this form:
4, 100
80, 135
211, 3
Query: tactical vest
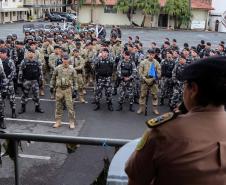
104, 68
126, 69
64, 78
31, 70
6, 67
167, 69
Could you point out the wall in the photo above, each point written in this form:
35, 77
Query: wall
11, 4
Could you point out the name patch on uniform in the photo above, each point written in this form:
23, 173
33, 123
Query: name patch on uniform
155, 122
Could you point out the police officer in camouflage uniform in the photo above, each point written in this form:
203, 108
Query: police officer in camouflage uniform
149, 82
103, 70
78, 64
30, 77
166, 84
64, 81
176, 99
126, 72
10, 72
3, 80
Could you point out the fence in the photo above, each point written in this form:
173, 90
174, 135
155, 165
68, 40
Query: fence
17, 137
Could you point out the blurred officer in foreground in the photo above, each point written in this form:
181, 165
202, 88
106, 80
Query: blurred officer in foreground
190, 149
65, 84
10, 72
2, 86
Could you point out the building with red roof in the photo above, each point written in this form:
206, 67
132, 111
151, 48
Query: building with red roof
106, 14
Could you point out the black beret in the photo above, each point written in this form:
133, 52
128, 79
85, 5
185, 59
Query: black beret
206, 69
56, 47
105, 49
31, 50
151, 51
3, 50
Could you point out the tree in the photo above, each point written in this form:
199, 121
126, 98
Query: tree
149, 7
179, 10
127, 6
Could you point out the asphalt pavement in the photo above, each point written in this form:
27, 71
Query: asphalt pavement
50, 164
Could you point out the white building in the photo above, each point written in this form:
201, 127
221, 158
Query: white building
12, 10
107, 15
218, 16
37, 8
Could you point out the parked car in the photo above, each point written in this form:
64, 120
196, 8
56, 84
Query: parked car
69, 17
54, 17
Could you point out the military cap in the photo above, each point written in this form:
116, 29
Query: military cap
208, 44
57, 47
2, 41
127, 53
65, 57
130, 38
75, 50
3, 50
118, 40
203, 70
151, 51
31, 50
31, 43
105, 49
167, 43
19, 43
89, 42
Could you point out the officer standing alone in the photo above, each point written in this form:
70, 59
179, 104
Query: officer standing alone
64, 81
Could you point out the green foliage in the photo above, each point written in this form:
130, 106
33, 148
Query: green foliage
179, 10
149, 7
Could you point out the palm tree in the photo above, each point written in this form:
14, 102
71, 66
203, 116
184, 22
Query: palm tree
149, 7
179, 10
127, 6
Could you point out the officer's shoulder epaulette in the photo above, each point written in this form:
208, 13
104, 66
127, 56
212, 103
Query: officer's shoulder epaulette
160, 120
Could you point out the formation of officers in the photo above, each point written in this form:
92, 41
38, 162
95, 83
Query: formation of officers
70, 62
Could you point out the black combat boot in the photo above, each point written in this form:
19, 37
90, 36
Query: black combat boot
13, 113
120, 107
136, 100
23, 109
161, 101
2, 123
110, 107
38, 109
97, 106
131, 108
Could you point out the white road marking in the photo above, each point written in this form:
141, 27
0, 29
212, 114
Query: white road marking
33, 156
34, 121
47, 100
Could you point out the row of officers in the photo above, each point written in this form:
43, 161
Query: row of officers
70, 74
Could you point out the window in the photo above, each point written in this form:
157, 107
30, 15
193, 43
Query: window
6, 14
110, 9
14, 13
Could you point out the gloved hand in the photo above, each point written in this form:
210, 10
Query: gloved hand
51, 90
74, 94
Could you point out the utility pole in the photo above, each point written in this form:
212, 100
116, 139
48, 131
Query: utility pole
190, 11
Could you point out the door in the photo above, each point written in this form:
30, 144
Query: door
163, 20
217, 25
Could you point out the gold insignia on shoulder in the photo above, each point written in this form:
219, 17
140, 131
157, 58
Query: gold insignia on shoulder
142, 141
155, 122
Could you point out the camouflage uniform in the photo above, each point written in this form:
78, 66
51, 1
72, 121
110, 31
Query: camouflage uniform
78, 64
64, 81
3, 79
103, 70
148, 83
31, 77
126, 69
88, 56
166, 83
54, 61
177, 97
10, 72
